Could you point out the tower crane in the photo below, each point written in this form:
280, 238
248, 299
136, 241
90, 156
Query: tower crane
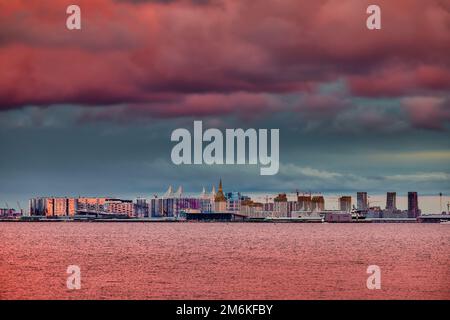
20, 208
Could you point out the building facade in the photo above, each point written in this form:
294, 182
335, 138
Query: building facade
361, 201
220, 201
317, 203
391, 201
345, 203
304, 203
413, 205
53, 207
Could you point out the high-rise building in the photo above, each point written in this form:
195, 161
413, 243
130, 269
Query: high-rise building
233, 201
141, 208
91, 205
174, 204
317, 203
304, 203
53, 207
119, 206
280, 205
37, 207
361, 198
345, 203
391, 201
413, 205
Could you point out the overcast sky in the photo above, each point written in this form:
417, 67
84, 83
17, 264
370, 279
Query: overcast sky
90, 112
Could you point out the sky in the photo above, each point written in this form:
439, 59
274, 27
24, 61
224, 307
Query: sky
91, 111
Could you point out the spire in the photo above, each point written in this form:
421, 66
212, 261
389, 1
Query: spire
203, 195
220, 196
179, 192
168, 193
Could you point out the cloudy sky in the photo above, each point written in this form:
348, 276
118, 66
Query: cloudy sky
90, 112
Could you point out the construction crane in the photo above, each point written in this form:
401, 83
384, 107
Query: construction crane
20, 208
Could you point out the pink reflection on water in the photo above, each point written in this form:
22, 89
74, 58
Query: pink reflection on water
224, 261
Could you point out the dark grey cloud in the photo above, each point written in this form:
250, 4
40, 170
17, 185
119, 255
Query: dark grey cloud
49, 152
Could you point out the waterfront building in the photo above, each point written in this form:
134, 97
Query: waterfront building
205, 202
220, 202
361, 199
292, 206
251, 209
37, 207
280, 206
141, 208
338, 216
317, 203
204, 195
89, 205
173, 204
413, 205
304, 203
9, 213
345, 203
269, 206
395, 214
105, 206
391, 201
53, 206
374, 212
120, 207
154, 209
233, 201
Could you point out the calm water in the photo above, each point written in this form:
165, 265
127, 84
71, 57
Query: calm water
224, 261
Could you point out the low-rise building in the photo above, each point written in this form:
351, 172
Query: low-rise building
338, 216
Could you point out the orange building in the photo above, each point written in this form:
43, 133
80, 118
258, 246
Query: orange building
90, 204
117, 206
345, 203
304, 203
318, 203
60, 207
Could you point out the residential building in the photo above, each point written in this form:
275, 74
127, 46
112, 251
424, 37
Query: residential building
345, 203
361, 201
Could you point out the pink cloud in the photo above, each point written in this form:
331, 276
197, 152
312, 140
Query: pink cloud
395, 81
427, 112
153, 54
244, 105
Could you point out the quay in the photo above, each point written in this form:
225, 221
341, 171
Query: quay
227, 217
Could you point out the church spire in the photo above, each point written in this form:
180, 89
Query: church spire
220, 197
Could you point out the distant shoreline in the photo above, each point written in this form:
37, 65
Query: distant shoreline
254, 220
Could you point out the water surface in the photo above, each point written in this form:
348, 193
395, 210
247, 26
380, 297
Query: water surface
224, 260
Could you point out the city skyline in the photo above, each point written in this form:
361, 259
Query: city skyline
224, 157
91, 111
391, 201
434, 203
